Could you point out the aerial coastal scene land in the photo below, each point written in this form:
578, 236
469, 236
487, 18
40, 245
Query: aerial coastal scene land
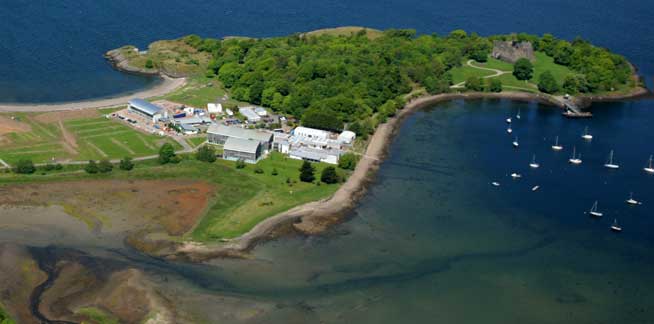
246, 140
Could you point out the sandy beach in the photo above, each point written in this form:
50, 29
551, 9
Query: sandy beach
168, 85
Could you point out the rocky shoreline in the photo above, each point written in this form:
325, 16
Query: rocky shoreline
119, 62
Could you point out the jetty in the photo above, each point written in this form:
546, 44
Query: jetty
571, 109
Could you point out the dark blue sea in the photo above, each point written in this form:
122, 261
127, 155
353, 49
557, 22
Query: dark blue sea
432, 241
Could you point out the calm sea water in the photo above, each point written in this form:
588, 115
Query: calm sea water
52, 50
432, 241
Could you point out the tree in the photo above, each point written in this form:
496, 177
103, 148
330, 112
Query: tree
105, 166
474, 83
149, 64
329, 175
274, 172
322, 119
126, 164
91, 167
206, 153
494, 85
258, 170
348, 161
166, 153
307, 172
547, 83
240, 164
523, 69
25, 167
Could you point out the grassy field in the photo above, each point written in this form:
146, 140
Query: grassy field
345, 31
199, 91
541, 64
93, 137
173, 56
243, 198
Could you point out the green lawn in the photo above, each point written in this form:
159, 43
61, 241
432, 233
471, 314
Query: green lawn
462, 73
93, 138
196, 141
199, 91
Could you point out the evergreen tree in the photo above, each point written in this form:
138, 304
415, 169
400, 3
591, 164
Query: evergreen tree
307, 172
329, 175
523, 69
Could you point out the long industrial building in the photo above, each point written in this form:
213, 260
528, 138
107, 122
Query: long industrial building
144, 108
242, 149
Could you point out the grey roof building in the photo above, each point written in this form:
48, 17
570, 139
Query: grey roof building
218, 134
242, 149
143, 107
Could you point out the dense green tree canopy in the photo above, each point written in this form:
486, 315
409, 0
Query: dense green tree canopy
354, 78
547, 83
523, 69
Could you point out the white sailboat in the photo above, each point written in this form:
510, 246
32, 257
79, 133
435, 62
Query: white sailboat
508, 120
515, 142
535, 188
495, 184
534, 164
516, 175
649, 168
575, 159
593, 210
609, 164
509, 130
518, 115
631, 200
556, 145
615, 227
587, 135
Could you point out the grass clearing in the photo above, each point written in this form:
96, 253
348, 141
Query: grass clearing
89, 139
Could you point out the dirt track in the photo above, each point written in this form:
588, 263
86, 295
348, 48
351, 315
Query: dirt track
168, 85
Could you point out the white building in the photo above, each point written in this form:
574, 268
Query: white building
229, 112
315, 155
251, 116
145, 108
281, 143
311, 133
215, 108
347, 137
261, 111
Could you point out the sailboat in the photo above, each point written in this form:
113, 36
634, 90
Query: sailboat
574, 159
515, 175
615, 227
649, 168
508, 120
587, 135
593, 210
509, 130
609, 164
556, 145
518, 115
515, 142
533, 163
631, 200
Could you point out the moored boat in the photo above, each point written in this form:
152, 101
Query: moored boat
593, 210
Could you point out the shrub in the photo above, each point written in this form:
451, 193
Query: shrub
49, 167
474, 84
149, 64
547, 83
258, 170
494, 85
91, 167
206, 153
25, 167
329, 175
240, 164
166, 153
105, 166
126, 164
274, 172
348, 161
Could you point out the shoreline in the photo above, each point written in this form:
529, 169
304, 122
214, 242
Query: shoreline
167, 86
316, 217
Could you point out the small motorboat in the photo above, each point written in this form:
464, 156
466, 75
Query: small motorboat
609, 164
593, 210
587, 135
575, 159
534, 164
649, 169
516, 175
556, 145
632, 201
515, 143
615, 227
535, 188
495, 184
